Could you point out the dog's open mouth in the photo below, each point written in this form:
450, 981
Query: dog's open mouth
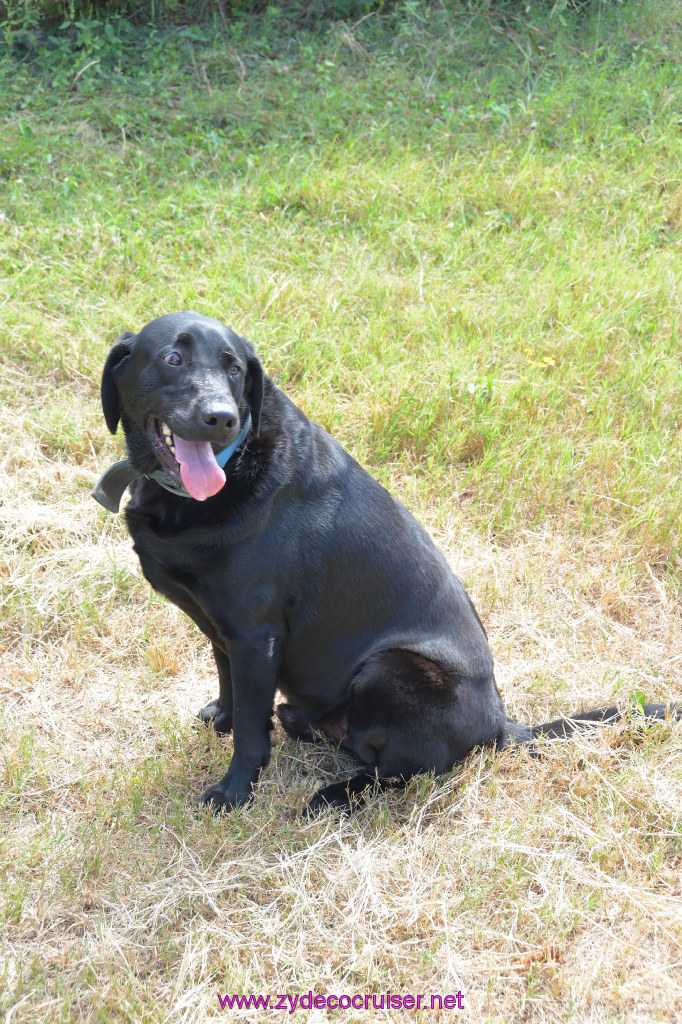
193, 462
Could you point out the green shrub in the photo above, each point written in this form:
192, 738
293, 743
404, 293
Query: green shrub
33, 14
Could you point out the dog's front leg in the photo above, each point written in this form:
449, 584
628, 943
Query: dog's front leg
219, 712
253, 693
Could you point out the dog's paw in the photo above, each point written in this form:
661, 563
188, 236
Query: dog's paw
352, 794
341, 796
214, 715
334, 797
220, 800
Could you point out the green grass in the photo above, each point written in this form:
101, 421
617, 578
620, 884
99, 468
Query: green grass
481, 252
455, 240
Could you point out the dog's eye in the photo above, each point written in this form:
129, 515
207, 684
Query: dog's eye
173, 359
235, 371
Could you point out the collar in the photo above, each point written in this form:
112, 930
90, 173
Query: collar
109, 489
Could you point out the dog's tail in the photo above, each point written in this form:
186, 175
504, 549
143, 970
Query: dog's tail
561, 728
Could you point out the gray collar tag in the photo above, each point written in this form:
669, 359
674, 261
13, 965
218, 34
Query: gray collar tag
109, 489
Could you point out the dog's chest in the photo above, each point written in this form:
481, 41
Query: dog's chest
166, 572
175, 563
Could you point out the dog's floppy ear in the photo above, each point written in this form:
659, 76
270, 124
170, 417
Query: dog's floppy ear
255, 386
111, 403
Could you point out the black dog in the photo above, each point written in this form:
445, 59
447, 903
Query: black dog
303, 572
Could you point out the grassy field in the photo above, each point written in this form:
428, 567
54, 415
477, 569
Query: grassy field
455, 238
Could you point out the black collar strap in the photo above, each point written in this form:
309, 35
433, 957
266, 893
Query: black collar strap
109, 489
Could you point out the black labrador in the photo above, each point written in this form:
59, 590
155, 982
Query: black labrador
302, 570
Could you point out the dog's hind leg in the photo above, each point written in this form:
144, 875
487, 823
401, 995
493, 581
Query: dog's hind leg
406, 716
313, 728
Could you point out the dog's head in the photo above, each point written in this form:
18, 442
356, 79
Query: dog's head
182, 389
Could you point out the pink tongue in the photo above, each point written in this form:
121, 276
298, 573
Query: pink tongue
201, 474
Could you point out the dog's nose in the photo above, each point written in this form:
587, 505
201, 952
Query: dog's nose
218, 416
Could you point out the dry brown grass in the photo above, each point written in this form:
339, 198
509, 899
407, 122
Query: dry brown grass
543, 889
